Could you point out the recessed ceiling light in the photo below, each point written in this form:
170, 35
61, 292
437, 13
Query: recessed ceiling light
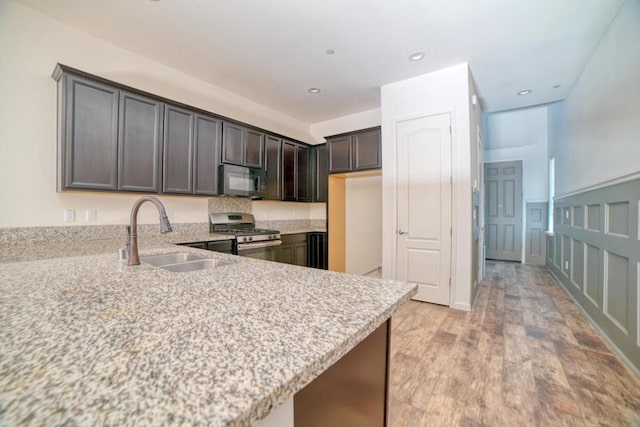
416, 56
525, 92
556, 86
314, 90
330, 52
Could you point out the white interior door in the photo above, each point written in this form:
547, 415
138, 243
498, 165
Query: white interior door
424, 206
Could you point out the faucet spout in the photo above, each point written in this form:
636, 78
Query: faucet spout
132, 241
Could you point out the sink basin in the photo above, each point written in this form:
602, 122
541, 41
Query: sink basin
195, 265
166, 259
183, 262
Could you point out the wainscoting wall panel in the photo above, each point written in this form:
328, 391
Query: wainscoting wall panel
536, 225
595, 253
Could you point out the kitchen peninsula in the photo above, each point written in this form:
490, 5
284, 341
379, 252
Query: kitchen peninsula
87, 340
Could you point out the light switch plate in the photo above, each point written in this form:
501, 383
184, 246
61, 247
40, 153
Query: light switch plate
92, 215
69, 215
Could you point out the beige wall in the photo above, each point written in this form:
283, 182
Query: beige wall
267, 210
31, 44
362, 120
363, 205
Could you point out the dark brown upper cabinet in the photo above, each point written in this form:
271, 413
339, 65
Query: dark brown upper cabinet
366, 150
139, 143
88, 140
296, 180
356, 151
177, 173
242, 146
339, 154
273, 165
208, 133
191, 152
320, 173
116, 138
303, 175
289, 166
254, 149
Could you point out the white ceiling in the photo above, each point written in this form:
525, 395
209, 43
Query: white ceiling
272, 51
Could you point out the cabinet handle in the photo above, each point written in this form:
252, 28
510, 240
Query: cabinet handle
401, 232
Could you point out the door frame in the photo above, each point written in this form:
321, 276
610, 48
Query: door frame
394, 198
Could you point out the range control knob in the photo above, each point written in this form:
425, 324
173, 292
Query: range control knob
250, 238
244, 239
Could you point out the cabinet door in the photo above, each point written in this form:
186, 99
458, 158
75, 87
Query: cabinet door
321, 174
89, 144
286, 253
300, 250
273, 165
233, 140
207, 154
366, 150
339, 154
177, 165
288, 171
139, 143
302, 174
254, 149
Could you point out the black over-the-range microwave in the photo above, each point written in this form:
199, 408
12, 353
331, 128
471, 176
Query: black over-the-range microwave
242, 181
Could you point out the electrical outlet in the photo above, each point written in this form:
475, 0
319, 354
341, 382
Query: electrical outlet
69, 215
92, 215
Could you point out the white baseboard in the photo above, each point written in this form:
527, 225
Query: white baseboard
461, 306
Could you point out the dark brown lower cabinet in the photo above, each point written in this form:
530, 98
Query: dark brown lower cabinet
293, 249
353, 391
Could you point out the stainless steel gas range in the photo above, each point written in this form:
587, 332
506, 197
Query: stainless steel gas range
248, 240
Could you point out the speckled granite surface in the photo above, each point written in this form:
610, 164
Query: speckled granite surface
90, 232
87, 340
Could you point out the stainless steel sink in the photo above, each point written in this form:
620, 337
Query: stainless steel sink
183, 262
166, 259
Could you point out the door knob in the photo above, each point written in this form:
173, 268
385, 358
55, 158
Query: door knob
401, 232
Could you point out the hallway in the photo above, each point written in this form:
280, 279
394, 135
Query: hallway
525, 356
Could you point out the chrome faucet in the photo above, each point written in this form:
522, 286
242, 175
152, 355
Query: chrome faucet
132, 228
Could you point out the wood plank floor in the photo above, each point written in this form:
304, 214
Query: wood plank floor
525, 356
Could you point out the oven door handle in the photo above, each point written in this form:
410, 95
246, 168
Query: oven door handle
258, 245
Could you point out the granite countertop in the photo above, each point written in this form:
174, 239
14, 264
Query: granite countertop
86, 339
